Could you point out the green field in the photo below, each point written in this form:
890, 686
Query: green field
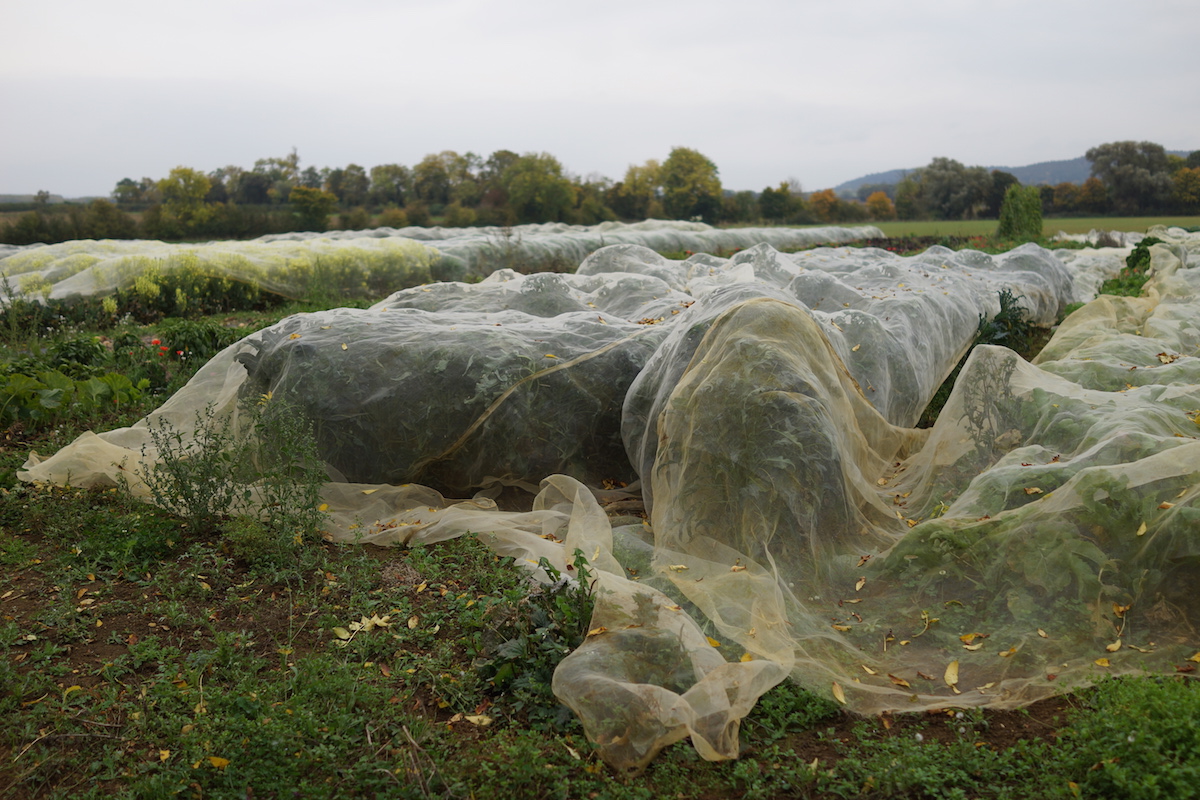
987, 227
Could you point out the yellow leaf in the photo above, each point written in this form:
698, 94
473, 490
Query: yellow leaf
551, 355
323, 507
838, 694
218, 762
341, 633
969, 638
677, 567
413, 621
837, 627
1120, 610
746, 657
70, 689
1101, 662
898, 681
163, 755
294, 336
951, 676
1008, 652
1114, 647
1033, 490
421, 587
713, 641
1043, 634
868, 670
482, 720
855, 348
344, 347
972, 647
1141, 531
1195, 658
597, 631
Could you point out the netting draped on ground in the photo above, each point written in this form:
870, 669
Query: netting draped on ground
363, 263
1042, 534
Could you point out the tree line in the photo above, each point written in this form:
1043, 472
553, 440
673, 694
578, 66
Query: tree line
506, 188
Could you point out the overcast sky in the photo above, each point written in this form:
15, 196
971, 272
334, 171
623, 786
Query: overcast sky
819, 90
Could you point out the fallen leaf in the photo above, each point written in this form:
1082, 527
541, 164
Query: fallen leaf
863, 559
842, 628
218, 762
1008, 652
163, 755
1195, 658
838, 694
951, 676
1141, 531
1042, 634
344, 347
969, 638
341, 633
413, 621
972, 647
1101, 662
746, 657
868, 670
737, 568
677, 567
1165, 506
855, 348
1032, 490
597, 631
899, 681
482, 720
861, 583
713, 641
1114, 647
1120, 610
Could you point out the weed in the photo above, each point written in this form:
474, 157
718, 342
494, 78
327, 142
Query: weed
1136, 272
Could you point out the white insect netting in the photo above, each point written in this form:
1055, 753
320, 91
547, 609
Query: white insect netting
1042, 534
366, 263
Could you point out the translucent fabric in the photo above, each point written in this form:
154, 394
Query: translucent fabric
365, 263
1043, 534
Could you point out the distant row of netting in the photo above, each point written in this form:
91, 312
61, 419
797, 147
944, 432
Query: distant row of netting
355, 264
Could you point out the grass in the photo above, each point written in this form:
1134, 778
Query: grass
1050, 226
144, 657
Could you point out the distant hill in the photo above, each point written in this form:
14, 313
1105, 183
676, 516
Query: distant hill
1074, 170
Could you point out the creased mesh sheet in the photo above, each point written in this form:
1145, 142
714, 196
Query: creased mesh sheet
1043, 534
366, 263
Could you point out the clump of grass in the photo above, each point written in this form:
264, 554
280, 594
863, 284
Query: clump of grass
1133, 277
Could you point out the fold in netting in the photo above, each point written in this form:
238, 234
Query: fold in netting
1042, 535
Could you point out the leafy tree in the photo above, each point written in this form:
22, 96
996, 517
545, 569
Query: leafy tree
1137, 174
952, 191
868, 189
825, 204
349, 185
184, 210
779, 205
431, 180
537, 189
880, 206
1001, 180
103, 220
1093, 196
910, 204
690, 184
1066, 197
636, 197
1021, 213
389, 184
1186, 189
457, 215
128, 192
740, 207
313, 207
1193, 159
